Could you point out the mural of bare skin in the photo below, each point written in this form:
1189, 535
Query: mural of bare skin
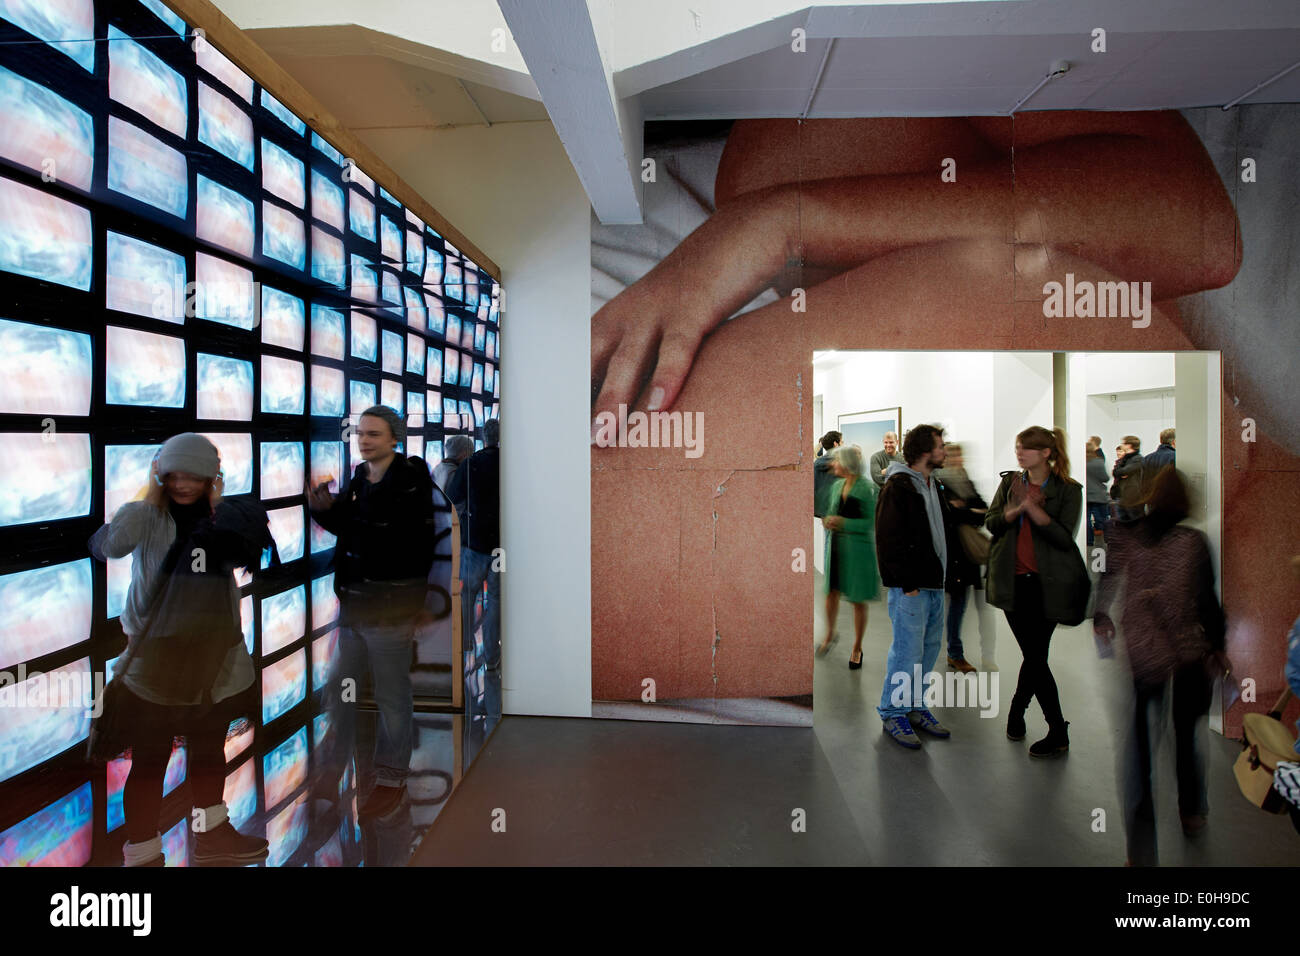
870, 246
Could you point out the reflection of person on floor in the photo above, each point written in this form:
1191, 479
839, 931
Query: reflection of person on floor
384, 519
1036, 574
850, 548
916, 548
476, 487
824, 471
1173, 631
186, 670
882, 459
1131, 196
968, 508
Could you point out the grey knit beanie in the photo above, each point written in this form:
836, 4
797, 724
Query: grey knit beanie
191, 453
394, 420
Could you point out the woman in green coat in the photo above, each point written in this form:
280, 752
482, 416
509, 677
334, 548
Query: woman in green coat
850, 523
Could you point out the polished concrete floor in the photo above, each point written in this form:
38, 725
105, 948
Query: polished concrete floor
552, 791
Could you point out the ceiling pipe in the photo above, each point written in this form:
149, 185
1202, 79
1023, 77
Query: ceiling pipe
812, 94
1255, 89
1058, 68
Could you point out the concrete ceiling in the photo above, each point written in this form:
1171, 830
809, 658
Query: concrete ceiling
596, 68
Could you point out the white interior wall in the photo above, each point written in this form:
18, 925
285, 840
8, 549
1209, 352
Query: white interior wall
512, 189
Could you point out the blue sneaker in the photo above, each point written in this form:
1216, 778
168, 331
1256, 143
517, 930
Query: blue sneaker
901, 731
927, 722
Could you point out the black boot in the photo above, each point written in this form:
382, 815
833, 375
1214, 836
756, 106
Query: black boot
226, 846
1016, 720
1054, 744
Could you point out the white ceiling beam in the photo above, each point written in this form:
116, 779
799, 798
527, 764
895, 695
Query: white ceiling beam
601, 132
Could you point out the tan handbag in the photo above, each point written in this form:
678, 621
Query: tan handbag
1267, 743
974, 542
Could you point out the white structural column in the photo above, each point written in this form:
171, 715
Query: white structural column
601, 133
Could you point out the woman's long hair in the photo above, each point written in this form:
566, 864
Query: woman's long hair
1039, 438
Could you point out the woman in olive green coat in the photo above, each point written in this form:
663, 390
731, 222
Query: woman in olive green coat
850, 548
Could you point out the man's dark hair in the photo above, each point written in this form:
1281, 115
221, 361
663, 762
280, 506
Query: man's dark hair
919, 442
829, 440
491, 432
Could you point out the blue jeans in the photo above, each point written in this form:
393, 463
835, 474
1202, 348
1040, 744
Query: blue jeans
388, 649
1098, 520
918, 635
475, 568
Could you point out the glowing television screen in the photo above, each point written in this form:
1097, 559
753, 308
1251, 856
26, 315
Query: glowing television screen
327, 258
321, 540
144, 279
284, 386
45, 132
435, 454
240, 793
484, 307
361, 395
326, 200
223, 217
116, 772
282, 113
471, 289
390, 394
433, 365
211, 59
415, 404
324, 602
467, 335
433, 405
365, 337
142, 82
358, 176
283, 319
225, 126
437, 314
236, 451
364, 284
224, 389
284, 619
414, 252
490, 345
284, 769
240, 740
326, 332
466, 368
175, 844
453, 330
224, 293
433, 267
143, 368
143, 167
62, 833
390, 239
44, 237
284, 468
478, 412
480, 336
391, 291
283, 174
117, 582
414, 445
361, 216
32, 734
327, 464
27, 628
286, 831
246, 623
392, 346
284, 236
326, 149
289, 529
327, 391
177, 766
453, 281
43, 370
476, 383
416, 313
57, 20
284, 685
415, 354
126, 475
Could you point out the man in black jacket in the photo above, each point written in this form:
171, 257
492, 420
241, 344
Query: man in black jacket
384, 520
916, 549
475, 490
1126, 490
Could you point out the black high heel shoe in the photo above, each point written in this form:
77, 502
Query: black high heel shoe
858, 665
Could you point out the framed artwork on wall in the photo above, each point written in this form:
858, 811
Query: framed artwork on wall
868, 429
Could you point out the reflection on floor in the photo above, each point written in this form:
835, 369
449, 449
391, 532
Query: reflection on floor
615, 792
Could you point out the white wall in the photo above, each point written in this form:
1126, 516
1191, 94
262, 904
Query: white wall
512, 189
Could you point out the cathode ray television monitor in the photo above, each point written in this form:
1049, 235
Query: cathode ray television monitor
326, 200
226, 292
32, 735
143, 368
451, 366
223, 217
44, 237
327, 332
141, 81
392, 352
361, 395
327, 263
284, 469
144, 279
26, 600
284, 769
284, 386
224, 389
45, 371
289, 530
284, 236
284, 685
327, 465
236, 451
365, 337
415, 354
126, 475
42, 127
58, 835
324, 602
283, 319
284, 619
327, 397
54, 482
417, 314
225, 127
283, 174
146, 169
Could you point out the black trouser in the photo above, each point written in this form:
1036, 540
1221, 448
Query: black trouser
1034, 635
152, 727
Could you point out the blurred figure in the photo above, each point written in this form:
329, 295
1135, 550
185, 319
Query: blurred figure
916, 546
1163, 455
823, 471
850, 547
186, 670
1098, 496
477, 484
455, 450
1173, 632
1036, 574
882, 459
968, 509
384, 519
1126, 490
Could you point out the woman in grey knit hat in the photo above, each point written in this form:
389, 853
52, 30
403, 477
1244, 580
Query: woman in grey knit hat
186, 670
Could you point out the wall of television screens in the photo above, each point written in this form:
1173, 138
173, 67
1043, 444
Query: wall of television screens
180, 252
